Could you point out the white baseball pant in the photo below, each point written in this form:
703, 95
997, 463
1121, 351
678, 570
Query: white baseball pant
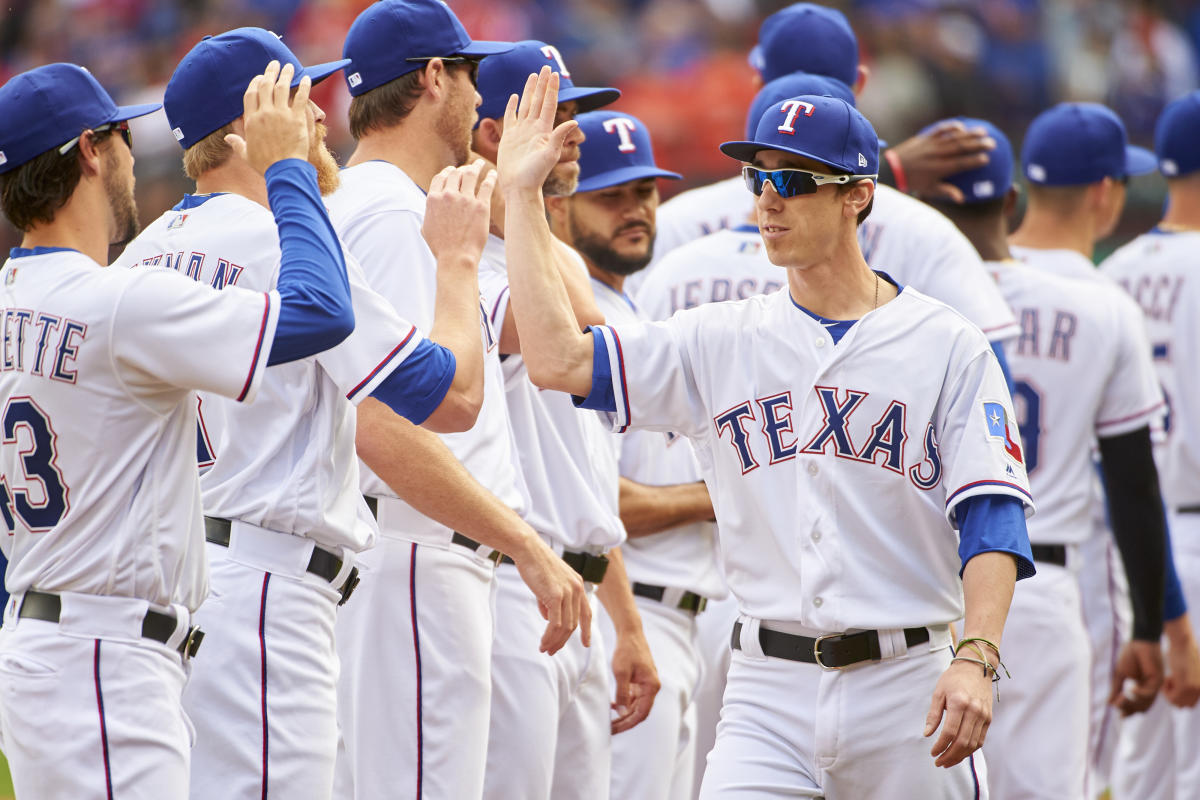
549, 732
791, 729
414, 696
713, 627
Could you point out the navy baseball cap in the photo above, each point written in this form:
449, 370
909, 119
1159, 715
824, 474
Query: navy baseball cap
825, 129
1176, 135
993, 179
51, 105
506, 74
806, 37
394, 37
205, 92
1073, 144
616, 149
793, 85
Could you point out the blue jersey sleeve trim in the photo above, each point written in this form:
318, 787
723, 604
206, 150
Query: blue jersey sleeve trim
994, 523
416, 387
602, 397
961, 489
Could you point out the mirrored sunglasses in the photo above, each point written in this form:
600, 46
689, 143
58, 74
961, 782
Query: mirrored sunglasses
789, 182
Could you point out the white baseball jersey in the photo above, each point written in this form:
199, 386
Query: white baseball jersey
1081, 369
287, 462
567, 458
908, 239
814, 451
378, 212
99, 487
1156, 269
682, 557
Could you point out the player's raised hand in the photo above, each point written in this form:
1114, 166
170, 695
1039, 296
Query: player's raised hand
962, 704
530, 145
560, 593
1140, 663
276, 122
636, 681
458, 212
948, 148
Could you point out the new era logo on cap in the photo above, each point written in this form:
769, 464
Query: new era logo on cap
862, 160
3, 158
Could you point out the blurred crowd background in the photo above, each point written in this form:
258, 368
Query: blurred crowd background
681, 64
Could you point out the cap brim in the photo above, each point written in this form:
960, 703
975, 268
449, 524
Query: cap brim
1139, 161
589, 97
319, 72
482, 49
755, 58
623, 175
744, 151
132, 112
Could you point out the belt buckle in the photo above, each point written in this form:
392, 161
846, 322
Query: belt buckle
817, 651
348, 587
701, 604
191, 642
495, 557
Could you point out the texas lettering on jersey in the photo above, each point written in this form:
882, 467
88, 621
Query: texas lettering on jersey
881, 443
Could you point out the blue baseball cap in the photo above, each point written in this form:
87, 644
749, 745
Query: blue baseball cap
51, 105
1176, 134
205, 91
505, 75
394, 37
806, 37
825, 129
793, 85
616, 149
1076, 143
993, 179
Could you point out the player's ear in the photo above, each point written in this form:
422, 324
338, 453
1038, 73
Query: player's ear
857, 197
1010, 201
435, 77
864, 72
89, 154
487, 136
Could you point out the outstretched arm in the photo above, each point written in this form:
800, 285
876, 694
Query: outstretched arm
557, 354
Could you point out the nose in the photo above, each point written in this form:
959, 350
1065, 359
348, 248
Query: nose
318, 113
478, 99
769, 199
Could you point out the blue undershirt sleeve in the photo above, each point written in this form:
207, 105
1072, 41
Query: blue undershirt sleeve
315, 311
418, 385
994, 523
602, 396
998, 349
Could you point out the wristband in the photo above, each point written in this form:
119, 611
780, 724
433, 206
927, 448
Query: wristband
893, 161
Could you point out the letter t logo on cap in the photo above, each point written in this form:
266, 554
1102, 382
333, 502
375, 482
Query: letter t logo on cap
622, 126
792, 109
550, 51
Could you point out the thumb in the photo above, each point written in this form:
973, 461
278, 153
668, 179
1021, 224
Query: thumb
934, 716
237, 143
950, 192
559, 137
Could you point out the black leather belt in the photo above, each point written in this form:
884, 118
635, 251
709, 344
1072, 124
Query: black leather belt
689, 602
322, 563
833, 651
155, 625
1050, 553
1188, 510
459, 539
590, 567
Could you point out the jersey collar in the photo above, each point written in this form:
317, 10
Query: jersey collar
25, 252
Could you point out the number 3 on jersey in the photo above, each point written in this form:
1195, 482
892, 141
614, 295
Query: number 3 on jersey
1027, 405
41, 509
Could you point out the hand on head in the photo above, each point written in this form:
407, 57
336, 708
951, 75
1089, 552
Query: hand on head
276, 123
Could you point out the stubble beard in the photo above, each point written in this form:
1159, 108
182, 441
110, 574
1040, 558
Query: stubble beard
122, 202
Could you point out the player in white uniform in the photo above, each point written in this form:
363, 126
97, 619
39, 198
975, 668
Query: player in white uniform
1083, 379
285, 515
101, 499
1075, 199
911, 241
550, 733
836, 481
415, 648
1156, 756
669, 555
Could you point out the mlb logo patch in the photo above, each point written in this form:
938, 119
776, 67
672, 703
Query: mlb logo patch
177, 133
999, 428
1037, 172
177, 222
354, 79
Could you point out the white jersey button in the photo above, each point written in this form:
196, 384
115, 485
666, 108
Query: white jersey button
813, 469
820, 342
817, 602
816, 537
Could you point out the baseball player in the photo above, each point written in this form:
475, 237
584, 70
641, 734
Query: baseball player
670, 552
1155, 758
1075, 198
1083, 375
101, 497
836, 481
415, 685
918, 246
285, 515
550, 729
